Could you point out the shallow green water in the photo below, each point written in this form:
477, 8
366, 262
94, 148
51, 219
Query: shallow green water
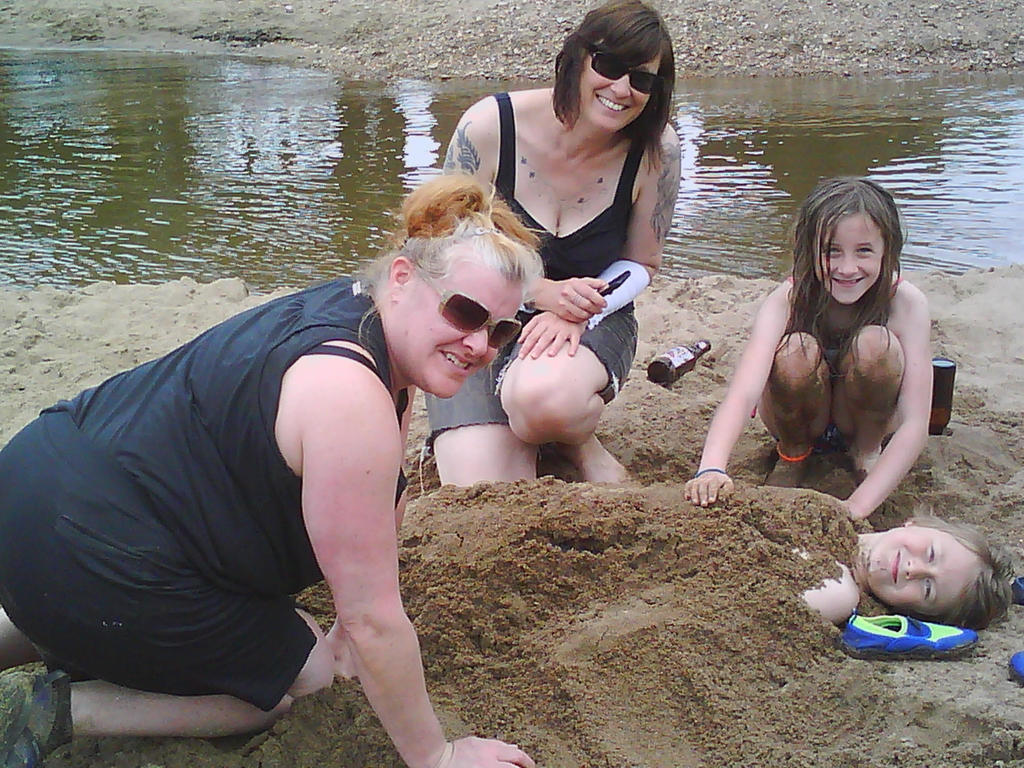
144, 167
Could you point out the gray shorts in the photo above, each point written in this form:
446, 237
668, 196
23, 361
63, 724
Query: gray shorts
478, 401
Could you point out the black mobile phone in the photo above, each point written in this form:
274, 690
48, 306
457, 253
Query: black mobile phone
614, 283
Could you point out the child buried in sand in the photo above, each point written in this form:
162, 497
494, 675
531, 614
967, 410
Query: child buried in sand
928, 568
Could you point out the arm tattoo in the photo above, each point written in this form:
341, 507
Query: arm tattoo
668, 189
462, 155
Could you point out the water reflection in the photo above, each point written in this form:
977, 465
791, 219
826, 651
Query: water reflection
135, 167
951, 151
413, 100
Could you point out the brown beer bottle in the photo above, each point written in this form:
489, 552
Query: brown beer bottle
667, 367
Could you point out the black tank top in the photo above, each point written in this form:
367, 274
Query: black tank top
591, 248
195, 430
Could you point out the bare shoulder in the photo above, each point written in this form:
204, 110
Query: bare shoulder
666, 164
907, 293
532, 103
323, 396
669, 140
475, 141
773, 310
909, 307
340, 381
836, 599
780, 295
482, 112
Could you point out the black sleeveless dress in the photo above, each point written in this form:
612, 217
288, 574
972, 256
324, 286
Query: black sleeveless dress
150, 530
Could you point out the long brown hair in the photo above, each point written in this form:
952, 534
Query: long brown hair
635, 33
829, 202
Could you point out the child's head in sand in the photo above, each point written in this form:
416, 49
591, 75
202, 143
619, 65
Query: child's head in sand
929, 568
936, 569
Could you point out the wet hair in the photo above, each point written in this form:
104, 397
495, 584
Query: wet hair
831, 201
988, 597
455, 209
635, 33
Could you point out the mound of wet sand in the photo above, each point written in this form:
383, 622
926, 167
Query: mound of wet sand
601, 626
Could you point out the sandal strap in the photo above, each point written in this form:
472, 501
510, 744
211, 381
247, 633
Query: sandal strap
37, 710
60, 691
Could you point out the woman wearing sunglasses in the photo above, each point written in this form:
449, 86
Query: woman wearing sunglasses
592, 165
154, 528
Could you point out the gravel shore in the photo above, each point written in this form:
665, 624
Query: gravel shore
517, 39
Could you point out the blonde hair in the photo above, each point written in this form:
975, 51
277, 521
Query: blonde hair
456, 209
988, 597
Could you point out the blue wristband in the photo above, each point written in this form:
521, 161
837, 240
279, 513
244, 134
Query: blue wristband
711, 469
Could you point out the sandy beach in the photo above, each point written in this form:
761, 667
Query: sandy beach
600, 626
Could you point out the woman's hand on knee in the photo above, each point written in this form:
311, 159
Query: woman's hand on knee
548, 333
708, 486
472, 752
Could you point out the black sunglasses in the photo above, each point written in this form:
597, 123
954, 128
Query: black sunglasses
611, 66
469, 316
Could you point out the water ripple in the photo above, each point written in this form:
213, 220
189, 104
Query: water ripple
134, 167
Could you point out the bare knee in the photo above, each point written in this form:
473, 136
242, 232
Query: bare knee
875, 354
533, 399
798, 364
539, 412
873, 370
547, 400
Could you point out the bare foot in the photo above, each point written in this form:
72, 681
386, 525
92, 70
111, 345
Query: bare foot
864, 462
594, 463
787, 474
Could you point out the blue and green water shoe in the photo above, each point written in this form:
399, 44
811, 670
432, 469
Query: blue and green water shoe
901, 637
1017, 667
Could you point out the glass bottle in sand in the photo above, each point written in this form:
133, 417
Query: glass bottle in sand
943, 371
669, 366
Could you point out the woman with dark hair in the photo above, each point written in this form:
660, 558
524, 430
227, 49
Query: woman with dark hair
592, 164
154, 528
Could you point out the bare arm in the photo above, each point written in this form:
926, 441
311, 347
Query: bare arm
350, 448
910, 323
655, 203
474, 146
748, 382
836, 599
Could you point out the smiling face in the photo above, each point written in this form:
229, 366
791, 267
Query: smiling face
612, 102
634, 32
428, 351
915, 569
854, 258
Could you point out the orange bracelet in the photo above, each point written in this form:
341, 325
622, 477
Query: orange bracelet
793, 459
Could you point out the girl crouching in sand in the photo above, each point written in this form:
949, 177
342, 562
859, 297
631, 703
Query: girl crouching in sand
838, 356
